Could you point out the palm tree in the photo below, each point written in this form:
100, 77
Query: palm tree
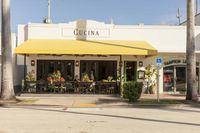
7, 91
190, 54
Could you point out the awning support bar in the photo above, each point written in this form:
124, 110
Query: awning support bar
24, 67
120, 73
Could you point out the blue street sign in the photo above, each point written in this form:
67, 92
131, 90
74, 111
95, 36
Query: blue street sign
159, 61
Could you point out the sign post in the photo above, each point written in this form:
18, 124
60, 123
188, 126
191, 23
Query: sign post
159, 62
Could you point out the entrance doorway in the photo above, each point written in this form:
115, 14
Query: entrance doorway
130, 71
180, 78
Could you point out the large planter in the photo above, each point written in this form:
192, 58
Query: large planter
30, 86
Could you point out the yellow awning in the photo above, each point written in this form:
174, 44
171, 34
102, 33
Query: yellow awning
86, 47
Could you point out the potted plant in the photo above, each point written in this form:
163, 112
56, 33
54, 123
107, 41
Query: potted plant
30, 82
150, 79
85, 78
30, 76
55, 77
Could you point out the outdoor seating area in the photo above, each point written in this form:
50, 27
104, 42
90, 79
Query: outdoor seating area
71, 87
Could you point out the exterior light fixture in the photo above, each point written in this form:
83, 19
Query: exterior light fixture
77, 63
140, 63
32, 62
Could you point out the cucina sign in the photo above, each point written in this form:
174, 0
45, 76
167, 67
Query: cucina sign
82, 32
86, 33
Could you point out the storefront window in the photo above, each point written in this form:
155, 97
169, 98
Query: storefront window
174, 78
98, 70
46, 67
50, 66
168, 78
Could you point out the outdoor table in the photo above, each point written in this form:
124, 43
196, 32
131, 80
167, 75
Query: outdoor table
41, 86
54, 86
107, 87
86, 87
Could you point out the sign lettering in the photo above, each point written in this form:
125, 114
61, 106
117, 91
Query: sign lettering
81, 32
86, 33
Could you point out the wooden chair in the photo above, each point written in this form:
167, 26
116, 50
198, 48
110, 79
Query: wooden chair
63, 87
69, 87
41, 86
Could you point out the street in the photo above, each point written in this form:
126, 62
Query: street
36, 119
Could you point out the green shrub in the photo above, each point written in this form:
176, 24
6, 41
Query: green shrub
132, 90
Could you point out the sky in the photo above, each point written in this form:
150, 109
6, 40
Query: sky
125, 12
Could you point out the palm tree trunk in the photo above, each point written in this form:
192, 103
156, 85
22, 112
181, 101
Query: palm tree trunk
190, 54
7, 91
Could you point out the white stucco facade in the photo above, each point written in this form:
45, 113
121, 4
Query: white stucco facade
170, 41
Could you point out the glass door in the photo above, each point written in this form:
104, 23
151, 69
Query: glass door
180, 79
130, 70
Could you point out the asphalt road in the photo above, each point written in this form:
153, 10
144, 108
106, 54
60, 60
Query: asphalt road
32, 119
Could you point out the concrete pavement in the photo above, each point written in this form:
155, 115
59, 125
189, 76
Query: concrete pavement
99, 120
75, 100
72, 100
55, 113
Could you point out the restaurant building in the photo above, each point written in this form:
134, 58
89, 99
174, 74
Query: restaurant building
105, 50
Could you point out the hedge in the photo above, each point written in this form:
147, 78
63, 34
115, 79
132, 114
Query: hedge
132, 90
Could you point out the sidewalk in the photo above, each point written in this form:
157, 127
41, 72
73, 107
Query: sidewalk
71, 100
98, 101
163, 96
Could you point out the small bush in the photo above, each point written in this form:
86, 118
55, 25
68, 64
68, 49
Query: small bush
132, 90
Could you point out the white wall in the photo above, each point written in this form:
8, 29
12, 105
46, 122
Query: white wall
163, 38
170, 41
